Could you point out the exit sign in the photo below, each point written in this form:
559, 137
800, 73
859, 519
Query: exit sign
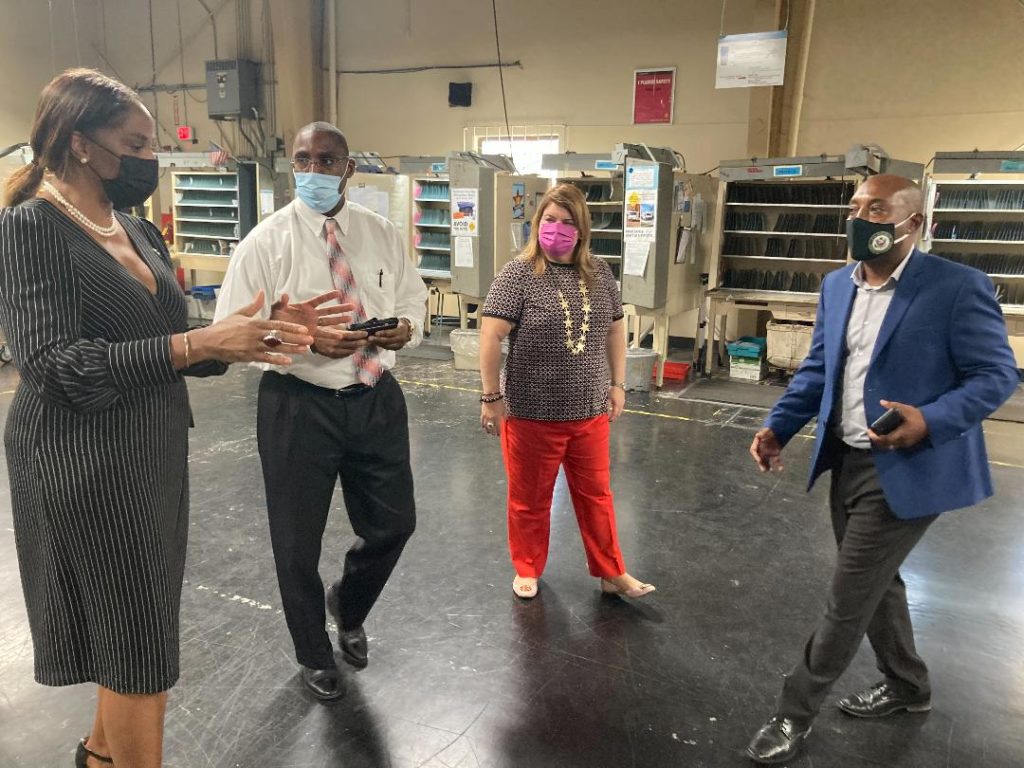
185, 133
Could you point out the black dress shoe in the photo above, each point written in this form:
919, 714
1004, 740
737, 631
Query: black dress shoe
352, 642
777, 741
882, 699
354, 647
325, 684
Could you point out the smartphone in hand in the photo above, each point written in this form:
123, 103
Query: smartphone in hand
374, 324
887, 422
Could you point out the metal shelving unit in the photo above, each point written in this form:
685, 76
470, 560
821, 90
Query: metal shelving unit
431, 215
975, 216
206, 212
783, 230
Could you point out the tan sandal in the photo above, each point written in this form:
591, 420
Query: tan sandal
524, 587
635, 592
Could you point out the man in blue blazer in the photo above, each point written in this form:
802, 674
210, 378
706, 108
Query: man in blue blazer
897, 329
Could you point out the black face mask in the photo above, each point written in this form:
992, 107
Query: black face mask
869, 239
136, 181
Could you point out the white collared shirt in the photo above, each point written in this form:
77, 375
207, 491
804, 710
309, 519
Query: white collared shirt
287, 253
869, 308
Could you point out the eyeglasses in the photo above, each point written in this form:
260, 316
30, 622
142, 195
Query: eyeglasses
327, 163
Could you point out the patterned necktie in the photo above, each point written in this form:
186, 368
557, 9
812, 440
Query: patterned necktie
367, 359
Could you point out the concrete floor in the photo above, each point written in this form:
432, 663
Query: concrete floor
464, 675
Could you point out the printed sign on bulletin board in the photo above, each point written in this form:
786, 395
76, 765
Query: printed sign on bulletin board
641, 203
653, 95
464, 202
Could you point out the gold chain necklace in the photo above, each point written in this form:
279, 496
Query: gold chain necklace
576, 347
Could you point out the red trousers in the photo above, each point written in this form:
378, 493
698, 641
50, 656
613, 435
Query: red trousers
534, 450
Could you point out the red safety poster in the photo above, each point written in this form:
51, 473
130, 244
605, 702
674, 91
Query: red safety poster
653, 90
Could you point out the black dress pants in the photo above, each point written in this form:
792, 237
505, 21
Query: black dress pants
867, 594
308, 438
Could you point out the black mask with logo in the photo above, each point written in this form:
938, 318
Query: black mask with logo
136, 181
870, 239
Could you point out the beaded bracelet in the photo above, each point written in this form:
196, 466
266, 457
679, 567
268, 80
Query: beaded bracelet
491, 397
620, 384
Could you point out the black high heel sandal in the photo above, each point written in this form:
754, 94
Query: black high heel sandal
83, 753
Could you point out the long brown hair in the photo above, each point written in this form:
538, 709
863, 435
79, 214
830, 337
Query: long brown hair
82, 100
569, 197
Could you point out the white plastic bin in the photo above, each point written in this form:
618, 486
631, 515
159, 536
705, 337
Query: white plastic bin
640, 369
788, 344
466, 347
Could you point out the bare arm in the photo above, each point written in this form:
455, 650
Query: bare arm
616, 347
493, 331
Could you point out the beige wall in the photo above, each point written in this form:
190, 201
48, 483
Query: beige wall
25, 59
577, 68
916, 77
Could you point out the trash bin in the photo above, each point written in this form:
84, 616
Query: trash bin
639, 369
466, 347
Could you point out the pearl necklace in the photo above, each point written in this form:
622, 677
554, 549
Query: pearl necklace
80, 217
576, 347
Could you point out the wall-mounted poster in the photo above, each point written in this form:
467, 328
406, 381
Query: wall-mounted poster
653, 95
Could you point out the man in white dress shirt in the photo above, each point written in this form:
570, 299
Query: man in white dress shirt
337, 413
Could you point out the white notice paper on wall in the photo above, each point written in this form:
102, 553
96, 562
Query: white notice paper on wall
266, 202
364, 196
635, 259
464, 251
752, 59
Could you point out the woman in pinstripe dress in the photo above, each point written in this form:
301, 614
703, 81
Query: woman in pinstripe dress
96, 436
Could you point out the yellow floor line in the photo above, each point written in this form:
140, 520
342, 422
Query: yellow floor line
1005, 464
643, 413
634, 412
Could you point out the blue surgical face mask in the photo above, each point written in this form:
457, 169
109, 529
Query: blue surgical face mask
320, 191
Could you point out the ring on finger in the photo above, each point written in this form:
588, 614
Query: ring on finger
272, 339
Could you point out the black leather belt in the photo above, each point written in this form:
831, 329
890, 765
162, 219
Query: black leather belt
847, 448
352, 390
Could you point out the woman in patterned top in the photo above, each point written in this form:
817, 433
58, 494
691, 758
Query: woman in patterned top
560, 309
97, 433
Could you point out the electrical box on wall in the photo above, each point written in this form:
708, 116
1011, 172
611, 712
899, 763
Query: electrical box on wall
232, 88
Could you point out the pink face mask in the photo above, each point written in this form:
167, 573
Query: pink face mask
557, 238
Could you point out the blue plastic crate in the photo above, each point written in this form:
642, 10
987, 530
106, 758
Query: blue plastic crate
748, 346
204, 292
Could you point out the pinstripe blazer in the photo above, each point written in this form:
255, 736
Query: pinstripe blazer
97, 445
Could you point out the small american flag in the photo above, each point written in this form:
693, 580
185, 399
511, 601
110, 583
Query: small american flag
218, 155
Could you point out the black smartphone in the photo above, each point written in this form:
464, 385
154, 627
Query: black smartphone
887, 422
375, 324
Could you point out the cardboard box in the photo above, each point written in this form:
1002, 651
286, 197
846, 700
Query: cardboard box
746, 368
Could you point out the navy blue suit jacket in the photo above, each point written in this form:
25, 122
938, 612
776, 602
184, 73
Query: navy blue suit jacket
942, 348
